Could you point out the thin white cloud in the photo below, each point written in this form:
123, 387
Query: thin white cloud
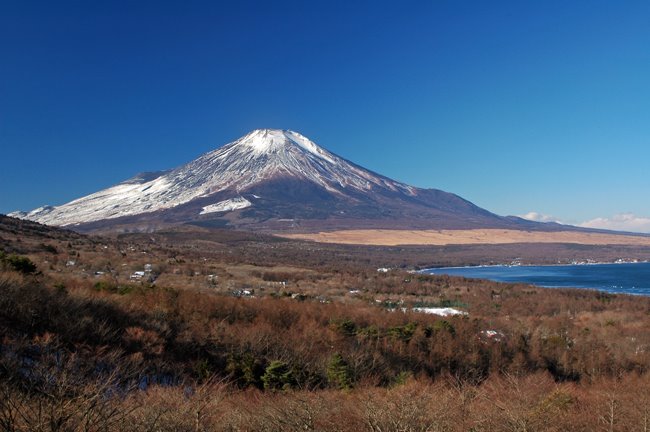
620, 222
539, 217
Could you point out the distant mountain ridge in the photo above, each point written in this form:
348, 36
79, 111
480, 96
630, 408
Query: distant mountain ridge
274, 179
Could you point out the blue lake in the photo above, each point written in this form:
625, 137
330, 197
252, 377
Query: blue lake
614, 278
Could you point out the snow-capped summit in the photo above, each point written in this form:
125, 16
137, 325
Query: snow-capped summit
267, 153
265, 176
276, 140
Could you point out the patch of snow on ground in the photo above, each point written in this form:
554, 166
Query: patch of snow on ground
439, 311
227, 205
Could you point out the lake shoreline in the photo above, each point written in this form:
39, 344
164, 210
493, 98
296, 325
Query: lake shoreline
614, 277
531, 265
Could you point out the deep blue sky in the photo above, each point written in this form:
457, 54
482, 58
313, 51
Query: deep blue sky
518, 106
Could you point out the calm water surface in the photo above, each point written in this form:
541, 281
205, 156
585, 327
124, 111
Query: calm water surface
614, 278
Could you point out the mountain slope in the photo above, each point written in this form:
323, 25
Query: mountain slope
273, 179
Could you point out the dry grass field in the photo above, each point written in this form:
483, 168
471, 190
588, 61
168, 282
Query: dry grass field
383, 237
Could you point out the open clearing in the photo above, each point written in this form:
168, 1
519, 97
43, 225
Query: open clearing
382, 237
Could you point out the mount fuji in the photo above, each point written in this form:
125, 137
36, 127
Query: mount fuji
270, 179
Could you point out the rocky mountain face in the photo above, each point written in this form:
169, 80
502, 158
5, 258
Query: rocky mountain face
272, 179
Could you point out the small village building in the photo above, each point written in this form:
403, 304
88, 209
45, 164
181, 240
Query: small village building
137, 275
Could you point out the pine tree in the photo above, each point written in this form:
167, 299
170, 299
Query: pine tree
338, 372
277, 376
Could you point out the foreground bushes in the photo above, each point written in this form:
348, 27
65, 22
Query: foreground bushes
17, 263
502, 403
282, 343
163, 359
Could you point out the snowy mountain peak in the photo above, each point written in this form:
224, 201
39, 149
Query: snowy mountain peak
265, 140
219, 178
268, 141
